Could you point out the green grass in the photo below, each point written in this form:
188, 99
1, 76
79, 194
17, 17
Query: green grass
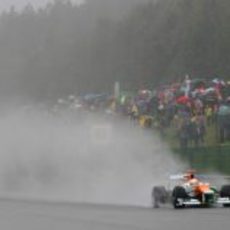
211, 156
207, 158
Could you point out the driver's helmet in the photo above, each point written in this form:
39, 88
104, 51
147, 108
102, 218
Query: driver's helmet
190, 174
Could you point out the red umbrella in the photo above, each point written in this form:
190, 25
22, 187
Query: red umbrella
182, 100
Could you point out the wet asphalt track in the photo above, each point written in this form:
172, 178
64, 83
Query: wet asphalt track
63, 216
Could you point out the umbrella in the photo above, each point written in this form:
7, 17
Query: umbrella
182, 100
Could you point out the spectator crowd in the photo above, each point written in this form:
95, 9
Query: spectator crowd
187, 107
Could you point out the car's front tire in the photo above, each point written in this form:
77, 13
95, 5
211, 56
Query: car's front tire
178, 193
225, 192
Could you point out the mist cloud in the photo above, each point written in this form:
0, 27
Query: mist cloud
85, 158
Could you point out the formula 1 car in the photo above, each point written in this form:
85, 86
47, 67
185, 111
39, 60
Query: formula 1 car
190, 191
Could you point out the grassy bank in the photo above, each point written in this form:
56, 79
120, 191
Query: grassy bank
211, 156
207, 158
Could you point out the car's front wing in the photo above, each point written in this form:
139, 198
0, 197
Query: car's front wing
196, 202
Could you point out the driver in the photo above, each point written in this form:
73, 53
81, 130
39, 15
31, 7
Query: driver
191, 182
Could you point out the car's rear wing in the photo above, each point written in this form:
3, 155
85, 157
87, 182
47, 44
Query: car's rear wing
201, 176
177, 177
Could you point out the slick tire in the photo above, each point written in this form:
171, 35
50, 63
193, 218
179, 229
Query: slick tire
178, 193
159, 196
225, 192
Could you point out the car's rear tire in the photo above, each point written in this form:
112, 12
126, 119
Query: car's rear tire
178, 193
159, 196
225, 192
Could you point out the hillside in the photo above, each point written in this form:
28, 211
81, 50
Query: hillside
63, 49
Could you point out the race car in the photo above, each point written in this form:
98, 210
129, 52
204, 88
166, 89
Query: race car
191, 191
